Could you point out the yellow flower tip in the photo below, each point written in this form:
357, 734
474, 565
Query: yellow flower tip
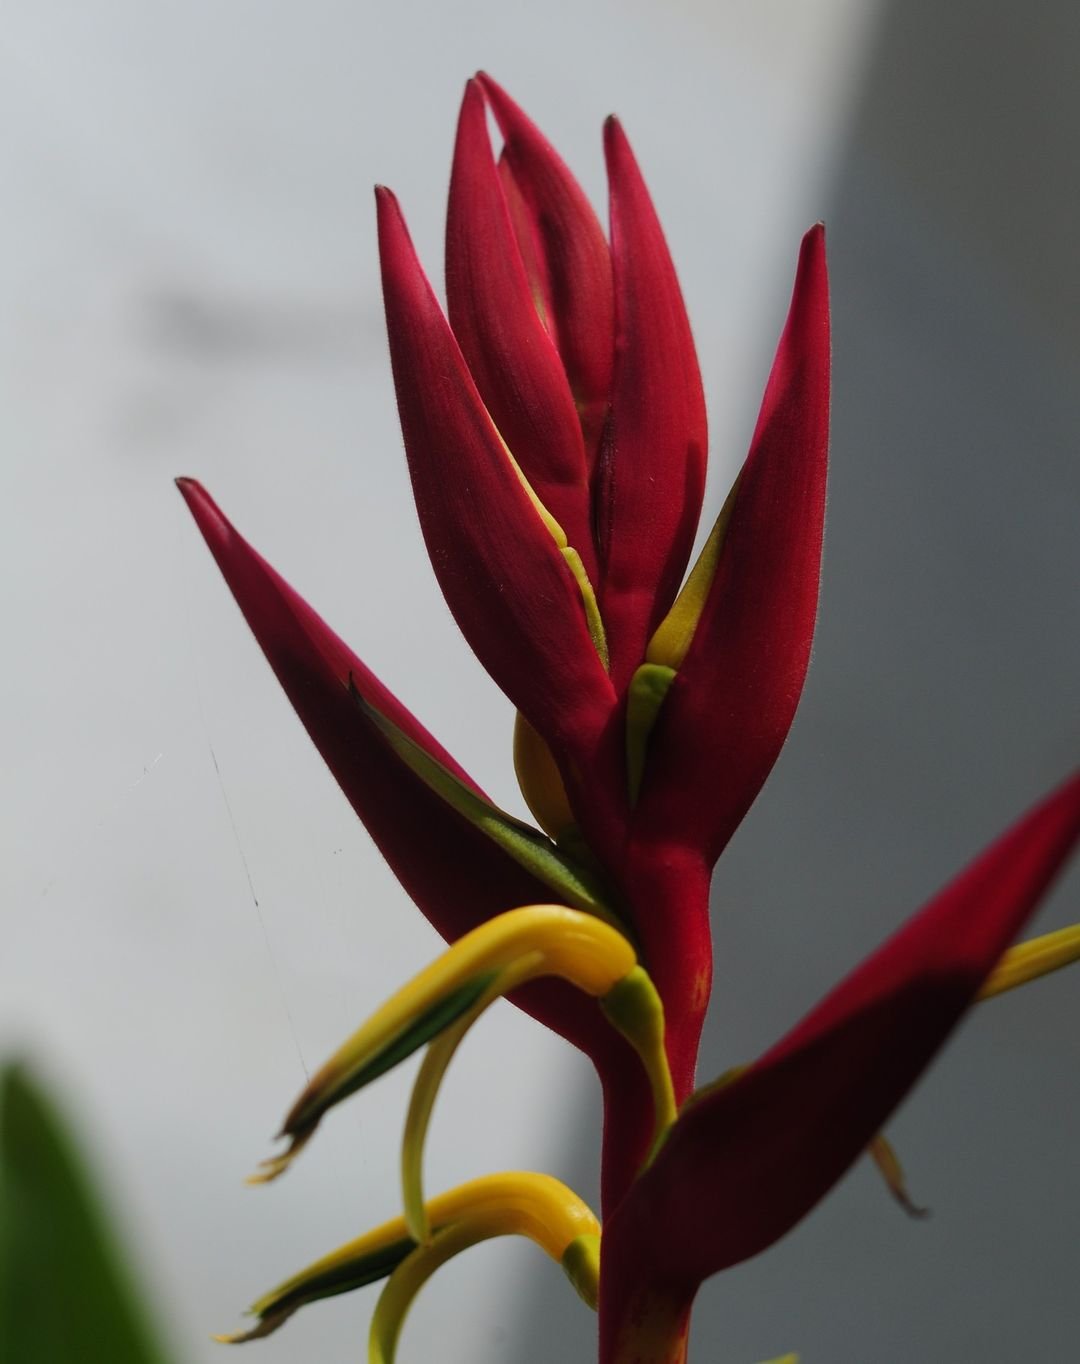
275, 1166
269, 1170
888, 1164
264, 1327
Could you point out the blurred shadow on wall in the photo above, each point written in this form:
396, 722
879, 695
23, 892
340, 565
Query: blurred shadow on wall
942, 698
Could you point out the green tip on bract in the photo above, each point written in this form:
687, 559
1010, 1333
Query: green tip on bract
635, 1008
648, 688
581, 1264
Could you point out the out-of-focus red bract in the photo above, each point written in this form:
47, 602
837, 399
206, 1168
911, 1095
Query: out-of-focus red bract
748, 1159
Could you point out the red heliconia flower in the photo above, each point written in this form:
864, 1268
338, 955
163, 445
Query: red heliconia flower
555, 433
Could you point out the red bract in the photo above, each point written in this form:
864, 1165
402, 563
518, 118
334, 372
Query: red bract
750, 1157
493, 311
555, 435
544, 318
563, 247
499, 565
737, 687
456, 875
652, 464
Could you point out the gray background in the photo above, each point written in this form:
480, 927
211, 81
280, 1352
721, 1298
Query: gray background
191, 915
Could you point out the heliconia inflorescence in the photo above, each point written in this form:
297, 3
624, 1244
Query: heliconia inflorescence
555, 432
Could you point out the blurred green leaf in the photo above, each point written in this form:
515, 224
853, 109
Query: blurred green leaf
65, 1294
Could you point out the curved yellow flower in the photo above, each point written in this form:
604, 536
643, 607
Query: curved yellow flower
505, 952
515, 1203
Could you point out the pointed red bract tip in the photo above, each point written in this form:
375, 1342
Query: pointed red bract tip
494, 316
652, 470
575, 270
729, 709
